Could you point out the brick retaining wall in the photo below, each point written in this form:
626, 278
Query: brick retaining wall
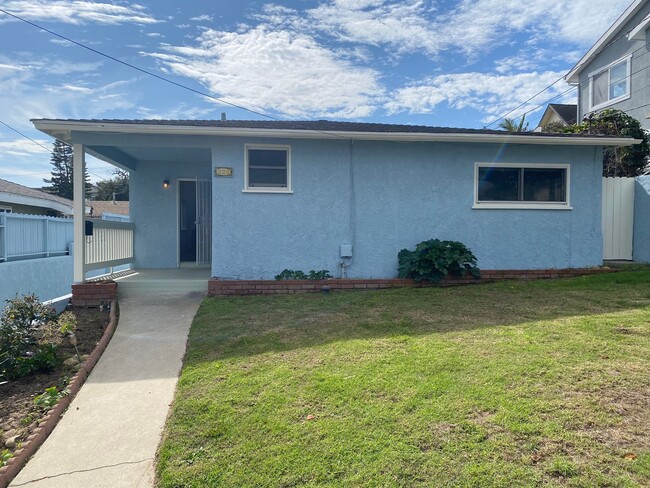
219, 287
92, 293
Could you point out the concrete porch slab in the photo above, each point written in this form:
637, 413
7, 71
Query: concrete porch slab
164, 280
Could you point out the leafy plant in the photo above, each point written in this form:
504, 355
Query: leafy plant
289, 274
434, 259
67, 326
27, 343
5, 456
323, 274
617, 161
50, 397
511, 125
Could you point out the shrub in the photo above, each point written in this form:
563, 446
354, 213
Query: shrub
289, 274
27, 343
434, 259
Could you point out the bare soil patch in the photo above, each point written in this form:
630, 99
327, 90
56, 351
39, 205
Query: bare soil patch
19, 415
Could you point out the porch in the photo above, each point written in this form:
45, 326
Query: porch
163, 280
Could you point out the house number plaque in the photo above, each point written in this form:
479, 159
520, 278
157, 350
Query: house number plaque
222, 171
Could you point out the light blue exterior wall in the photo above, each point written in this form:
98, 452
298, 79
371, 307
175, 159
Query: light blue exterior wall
47, 278
154, 210
641, 246
403, 193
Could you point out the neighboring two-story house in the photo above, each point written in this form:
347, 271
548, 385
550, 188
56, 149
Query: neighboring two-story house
614, 72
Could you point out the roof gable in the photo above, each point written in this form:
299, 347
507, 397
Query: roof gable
605, 39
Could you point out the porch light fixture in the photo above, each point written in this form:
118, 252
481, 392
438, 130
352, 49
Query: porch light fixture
166, 184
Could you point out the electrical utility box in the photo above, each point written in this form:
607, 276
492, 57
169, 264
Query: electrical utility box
346, 250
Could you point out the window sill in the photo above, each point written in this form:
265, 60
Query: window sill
609, 103
265, 190
520, 206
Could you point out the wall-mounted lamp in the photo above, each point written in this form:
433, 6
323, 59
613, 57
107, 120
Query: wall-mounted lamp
166, 184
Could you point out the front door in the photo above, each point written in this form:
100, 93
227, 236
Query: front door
195, 222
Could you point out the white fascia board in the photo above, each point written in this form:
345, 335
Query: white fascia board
572, 77
35, 202
638, 33
55, 126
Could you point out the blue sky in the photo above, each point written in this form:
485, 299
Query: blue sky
443, 63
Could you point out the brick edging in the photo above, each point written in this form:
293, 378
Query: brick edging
52, 417
220, 287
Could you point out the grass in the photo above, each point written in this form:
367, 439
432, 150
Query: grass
511, 384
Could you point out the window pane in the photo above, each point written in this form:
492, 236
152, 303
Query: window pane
618, 72
618, 90
544, 185
267, 177
600, 88
498, 184
267, 168
267, 157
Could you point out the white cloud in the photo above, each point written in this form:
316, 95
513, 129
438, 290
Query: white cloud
78, 12
24, 146
182, 111
203, 18
282, 72
471, 26
492, 95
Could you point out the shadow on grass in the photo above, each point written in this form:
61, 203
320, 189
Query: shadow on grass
246, 326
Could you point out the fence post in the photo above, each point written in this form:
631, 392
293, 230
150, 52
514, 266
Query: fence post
3, 236
46, 233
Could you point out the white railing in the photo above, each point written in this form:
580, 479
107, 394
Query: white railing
110, 245
33, 236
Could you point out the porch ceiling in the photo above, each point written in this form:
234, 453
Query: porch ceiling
127, 155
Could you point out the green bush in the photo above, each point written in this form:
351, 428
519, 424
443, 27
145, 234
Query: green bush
27, 343
289, 274
434, 259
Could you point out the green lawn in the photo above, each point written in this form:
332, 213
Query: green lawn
542, 383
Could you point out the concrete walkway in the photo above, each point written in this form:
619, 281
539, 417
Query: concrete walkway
110, 434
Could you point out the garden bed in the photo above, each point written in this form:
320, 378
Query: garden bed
19, 414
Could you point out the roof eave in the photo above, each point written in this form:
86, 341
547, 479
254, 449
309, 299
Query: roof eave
36, 202
63, 129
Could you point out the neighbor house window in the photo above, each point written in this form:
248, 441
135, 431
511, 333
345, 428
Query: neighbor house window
268, 168
508, 185
610, 84
5, 209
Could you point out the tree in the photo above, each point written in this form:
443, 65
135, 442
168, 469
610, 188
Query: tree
617, 161
511, 126
118, 185
61, 181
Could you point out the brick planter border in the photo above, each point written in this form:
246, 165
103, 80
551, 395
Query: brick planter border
91, 293
49, 421
220, 287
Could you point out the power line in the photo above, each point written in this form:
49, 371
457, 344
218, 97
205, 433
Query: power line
41, 145
561, 77
24, 135
162, 78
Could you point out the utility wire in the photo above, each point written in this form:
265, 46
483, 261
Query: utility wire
577, 66
167, 80
40, 145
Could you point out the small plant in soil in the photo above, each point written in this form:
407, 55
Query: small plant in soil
290, 274
5, 456
50, 397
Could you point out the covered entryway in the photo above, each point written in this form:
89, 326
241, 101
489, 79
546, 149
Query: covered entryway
194, 222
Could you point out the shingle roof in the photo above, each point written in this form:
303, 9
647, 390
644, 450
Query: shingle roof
16, 189
568, 112
100, 207
315, 125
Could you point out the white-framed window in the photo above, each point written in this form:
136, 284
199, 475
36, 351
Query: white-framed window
521, 186
610, 84
267, 168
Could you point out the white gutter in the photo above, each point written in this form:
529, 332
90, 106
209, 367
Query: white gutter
62, 128
35, 202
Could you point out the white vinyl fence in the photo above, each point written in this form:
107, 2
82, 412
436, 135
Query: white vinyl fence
33, 236
618, 218
110, 245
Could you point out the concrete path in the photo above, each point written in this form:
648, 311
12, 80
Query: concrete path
109, 435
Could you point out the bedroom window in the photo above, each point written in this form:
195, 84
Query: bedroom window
610, 84
268, 168
507, 185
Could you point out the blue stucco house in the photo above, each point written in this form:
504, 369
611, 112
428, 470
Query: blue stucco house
251, 198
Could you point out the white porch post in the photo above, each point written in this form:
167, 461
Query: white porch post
79, 186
